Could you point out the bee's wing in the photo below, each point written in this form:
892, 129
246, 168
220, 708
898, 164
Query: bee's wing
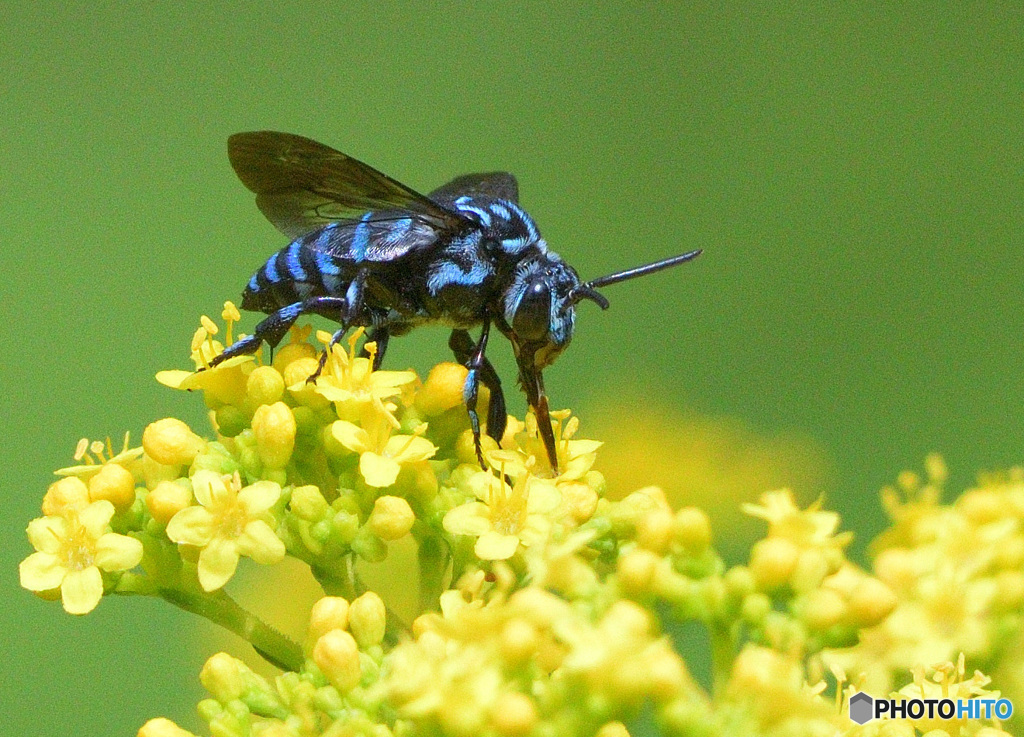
498, 184
302, 185
377, 237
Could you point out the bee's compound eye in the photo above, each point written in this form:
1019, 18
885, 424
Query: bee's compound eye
532, 320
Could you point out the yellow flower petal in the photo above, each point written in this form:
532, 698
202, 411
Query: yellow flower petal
407, 449
378, 470
468, 519
260, 543
203, 485
259, 497
191, 526
217, 563
351, 436
45, 533
41, 572
117, 552
95, 517
542, 496
495, 546
82, 590
174, 379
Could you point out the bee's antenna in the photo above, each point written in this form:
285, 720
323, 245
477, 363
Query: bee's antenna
588, 289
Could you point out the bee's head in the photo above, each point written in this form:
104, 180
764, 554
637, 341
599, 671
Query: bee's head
540, 309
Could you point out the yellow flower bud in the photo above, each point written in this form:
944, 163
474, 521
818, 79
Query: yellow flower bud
755, 608
295, 375
329, 613
739, 582
223, 677
513, 714
823, 608
981, 506
772, 562
461, 715
170, 442
442, 389
666, 674
337, 656
692, 529
392, 518
114, 483
265, 385
367, 617
290, 353
613, 729
871, 601
1010, 552
308, 503
580, 501
654, 530
811, 568
274, 428
465, 449
518, 641
166, 500
68, 493
627, 618
636, 571
897, 568
161, 727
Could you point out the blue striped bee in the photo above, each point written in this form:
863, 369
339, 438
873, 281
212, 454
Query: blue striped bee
369, 251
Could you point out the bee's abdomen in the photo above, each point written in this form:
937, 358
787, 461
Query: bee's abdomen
291, 275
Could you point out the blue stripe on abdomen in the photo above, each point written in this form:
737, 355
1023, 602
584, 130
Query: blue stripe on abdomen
293, 262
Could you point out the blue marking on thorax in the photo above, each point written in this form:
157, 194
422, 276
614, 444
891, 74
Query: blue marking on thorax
501, 211
463, 205
527, 220
447, 273
513, 245
270, 270
361, 239
254, 284
292, 260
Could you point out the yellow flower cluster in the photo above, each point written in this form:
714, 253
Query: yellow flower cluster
545, 608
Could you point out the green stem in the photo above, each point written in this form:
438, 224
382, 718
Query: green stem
433, 562
723, 653
221, 609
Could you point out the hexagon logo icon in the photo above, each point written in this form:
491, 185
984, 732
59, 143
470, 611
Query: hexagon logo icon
862, 708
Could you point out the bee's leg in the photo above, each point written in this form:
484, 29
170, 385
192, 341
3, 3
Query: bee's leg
351, 314
472, 357
497, 416
273, 328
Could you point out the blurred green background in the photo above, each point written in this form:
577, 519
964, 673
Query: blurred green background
855, 177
